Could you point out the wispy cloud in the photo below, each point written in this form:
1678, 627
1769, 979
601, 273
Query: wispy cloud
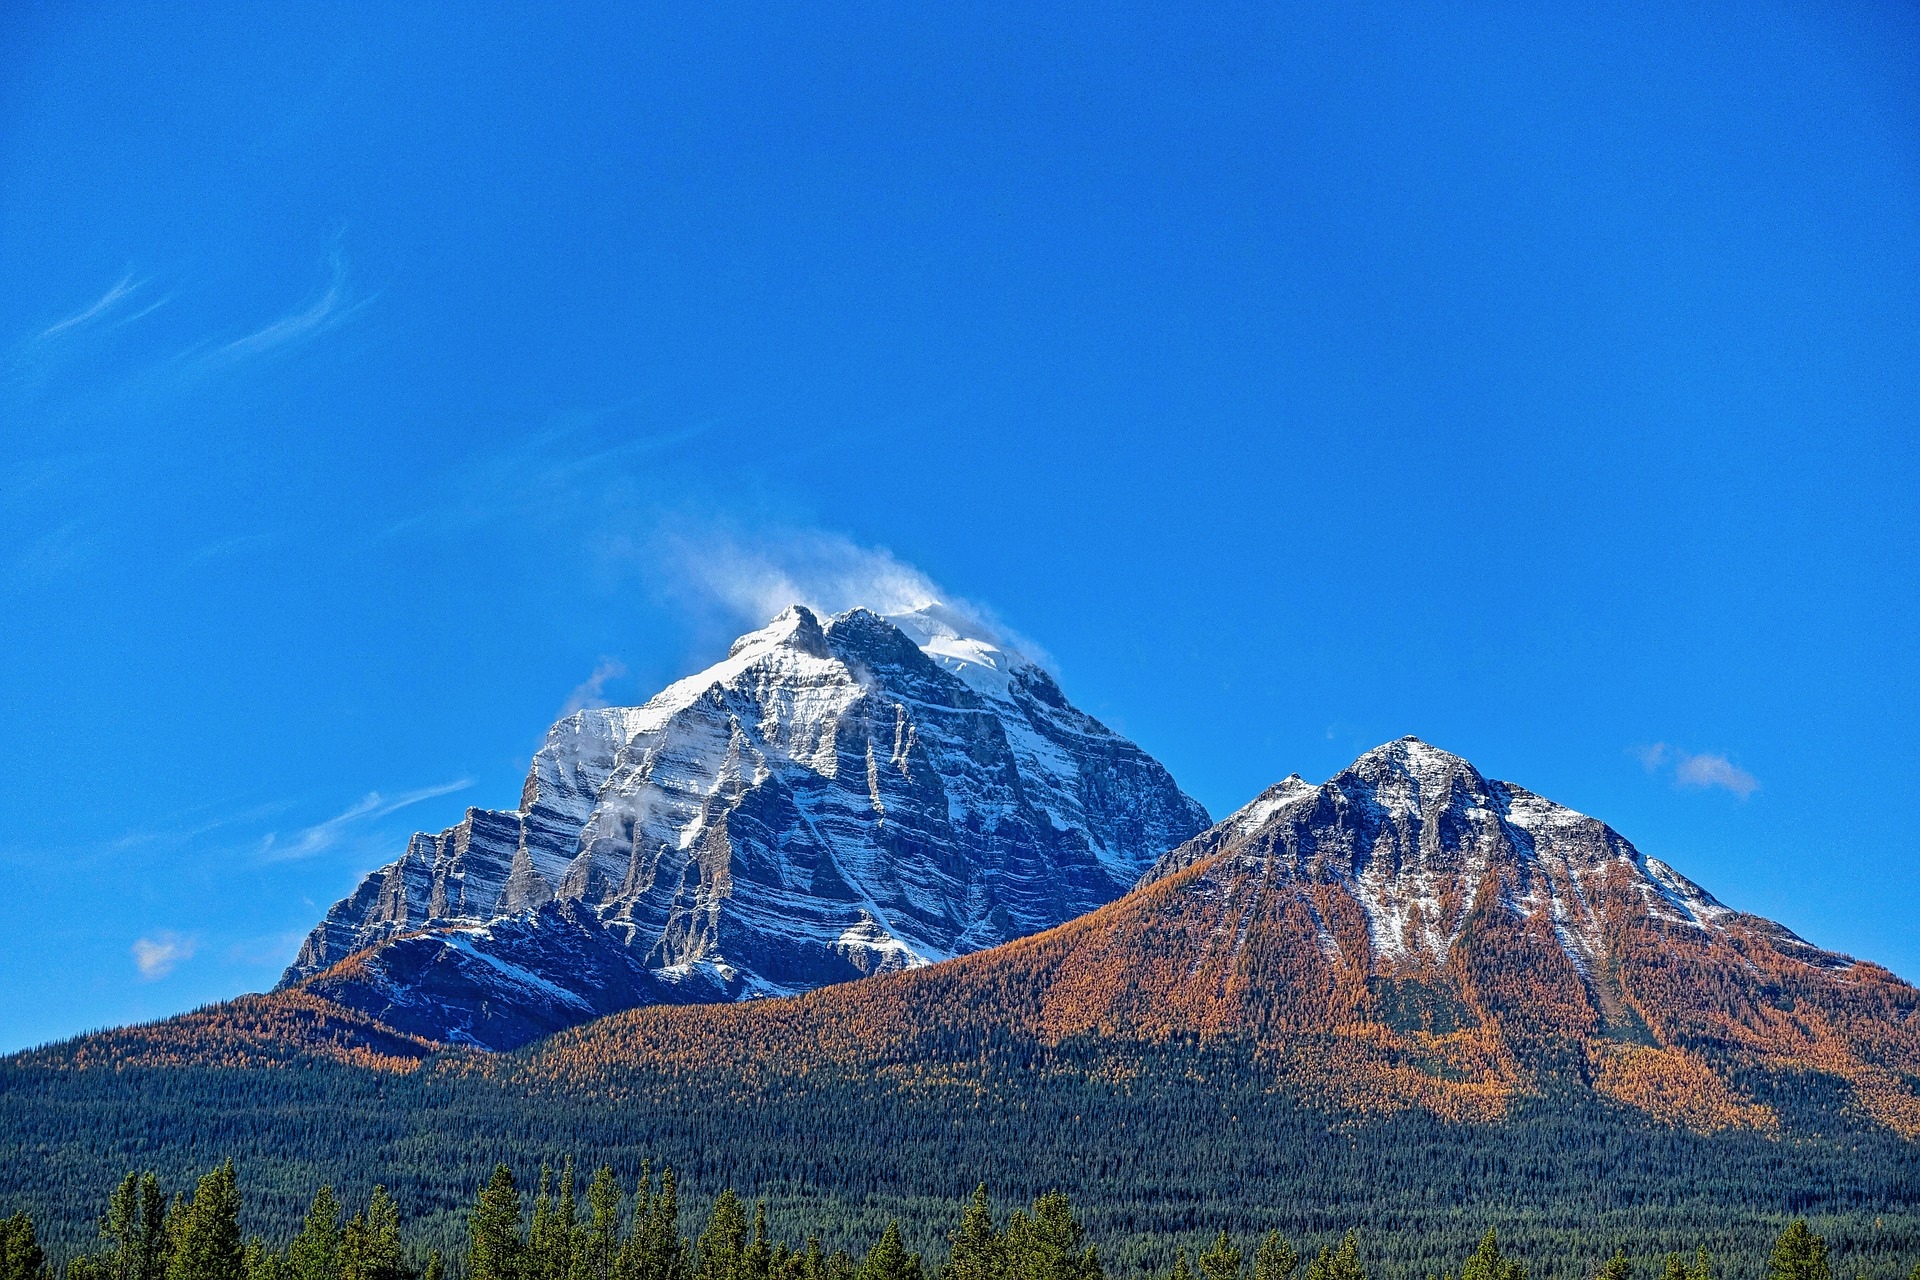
753, 576
590, 692
580, 463
187, 826
163, 952
49, 556
1698, 770
101, 307
827, 572
323, 836
1651, 755
331, 309
232, 546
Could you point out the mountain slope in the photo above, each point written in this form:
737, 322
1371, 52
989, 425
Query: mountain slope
1408, 935
1412, 999
833, 800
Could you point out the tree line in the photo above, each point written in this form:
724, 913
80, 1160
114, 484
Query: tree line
1158, 1150
604, 1234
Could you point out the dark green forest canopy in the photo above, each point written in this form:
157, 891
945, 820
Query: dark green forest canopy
600, 1234
1186, 1145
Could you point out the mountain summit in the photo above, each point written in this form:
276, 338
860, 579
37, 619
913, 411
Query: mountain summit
835, 798
1419, 840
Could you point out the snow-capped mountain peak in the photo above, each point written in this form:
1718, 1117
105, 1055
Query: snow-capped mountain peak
1420, 839
963, 646
835, 797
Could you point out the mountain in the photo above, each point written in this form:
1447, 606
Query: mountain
1409, 934
1412, 999
834, 799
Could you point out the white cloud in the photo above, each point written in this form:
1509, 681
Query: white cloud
753, 578
323, 836
107, 301
826, 572
589, 692
1714, 770
159, 955
331, 309
1690, 769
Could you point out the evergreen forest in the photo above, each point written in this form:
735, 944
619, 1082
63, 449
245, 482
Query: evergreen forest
600, 1233
1161, 1153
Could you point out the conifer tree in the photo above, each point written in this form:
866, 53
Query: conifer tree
354, 1247
534, 1263
1180, 1269
1221, 1261
386, 1259
151, 1257
597, 1250
436, 1269
1799, 1254
370, 1244
1616, 1268
889, 1259
134, 1230
658, 1255
629, 1263
21, 1257
976, 1252
1702, 1268
315, 1252
494, 1247
205, 1239
1342, 1263
261, 1262
1675, 1268
1275, 1259
1487, 1263
757, 1262
723, 1241
550, 1239
120, 1230
1046, 1245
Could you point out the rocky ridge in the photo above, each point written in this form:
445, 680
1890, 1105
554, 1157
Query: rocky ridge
836, 798
1409, 934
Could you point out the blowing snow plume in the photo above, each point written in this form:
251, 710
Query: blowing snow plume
753, 580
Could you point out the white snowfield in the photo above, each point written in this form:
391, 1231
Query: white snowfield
831, 799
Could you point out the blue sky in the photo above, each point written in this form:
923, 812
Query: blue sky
1543, 383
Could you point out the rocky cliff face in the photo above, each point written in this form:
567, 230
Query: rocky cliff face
833, 800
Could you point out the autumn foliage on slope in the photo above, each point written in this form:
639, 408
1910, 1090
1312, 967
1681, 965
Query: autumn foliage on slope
278, 1030
1237, 950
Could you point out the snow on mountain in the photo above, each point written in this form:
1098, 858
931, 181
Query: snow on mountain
830, 800
1413, 833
